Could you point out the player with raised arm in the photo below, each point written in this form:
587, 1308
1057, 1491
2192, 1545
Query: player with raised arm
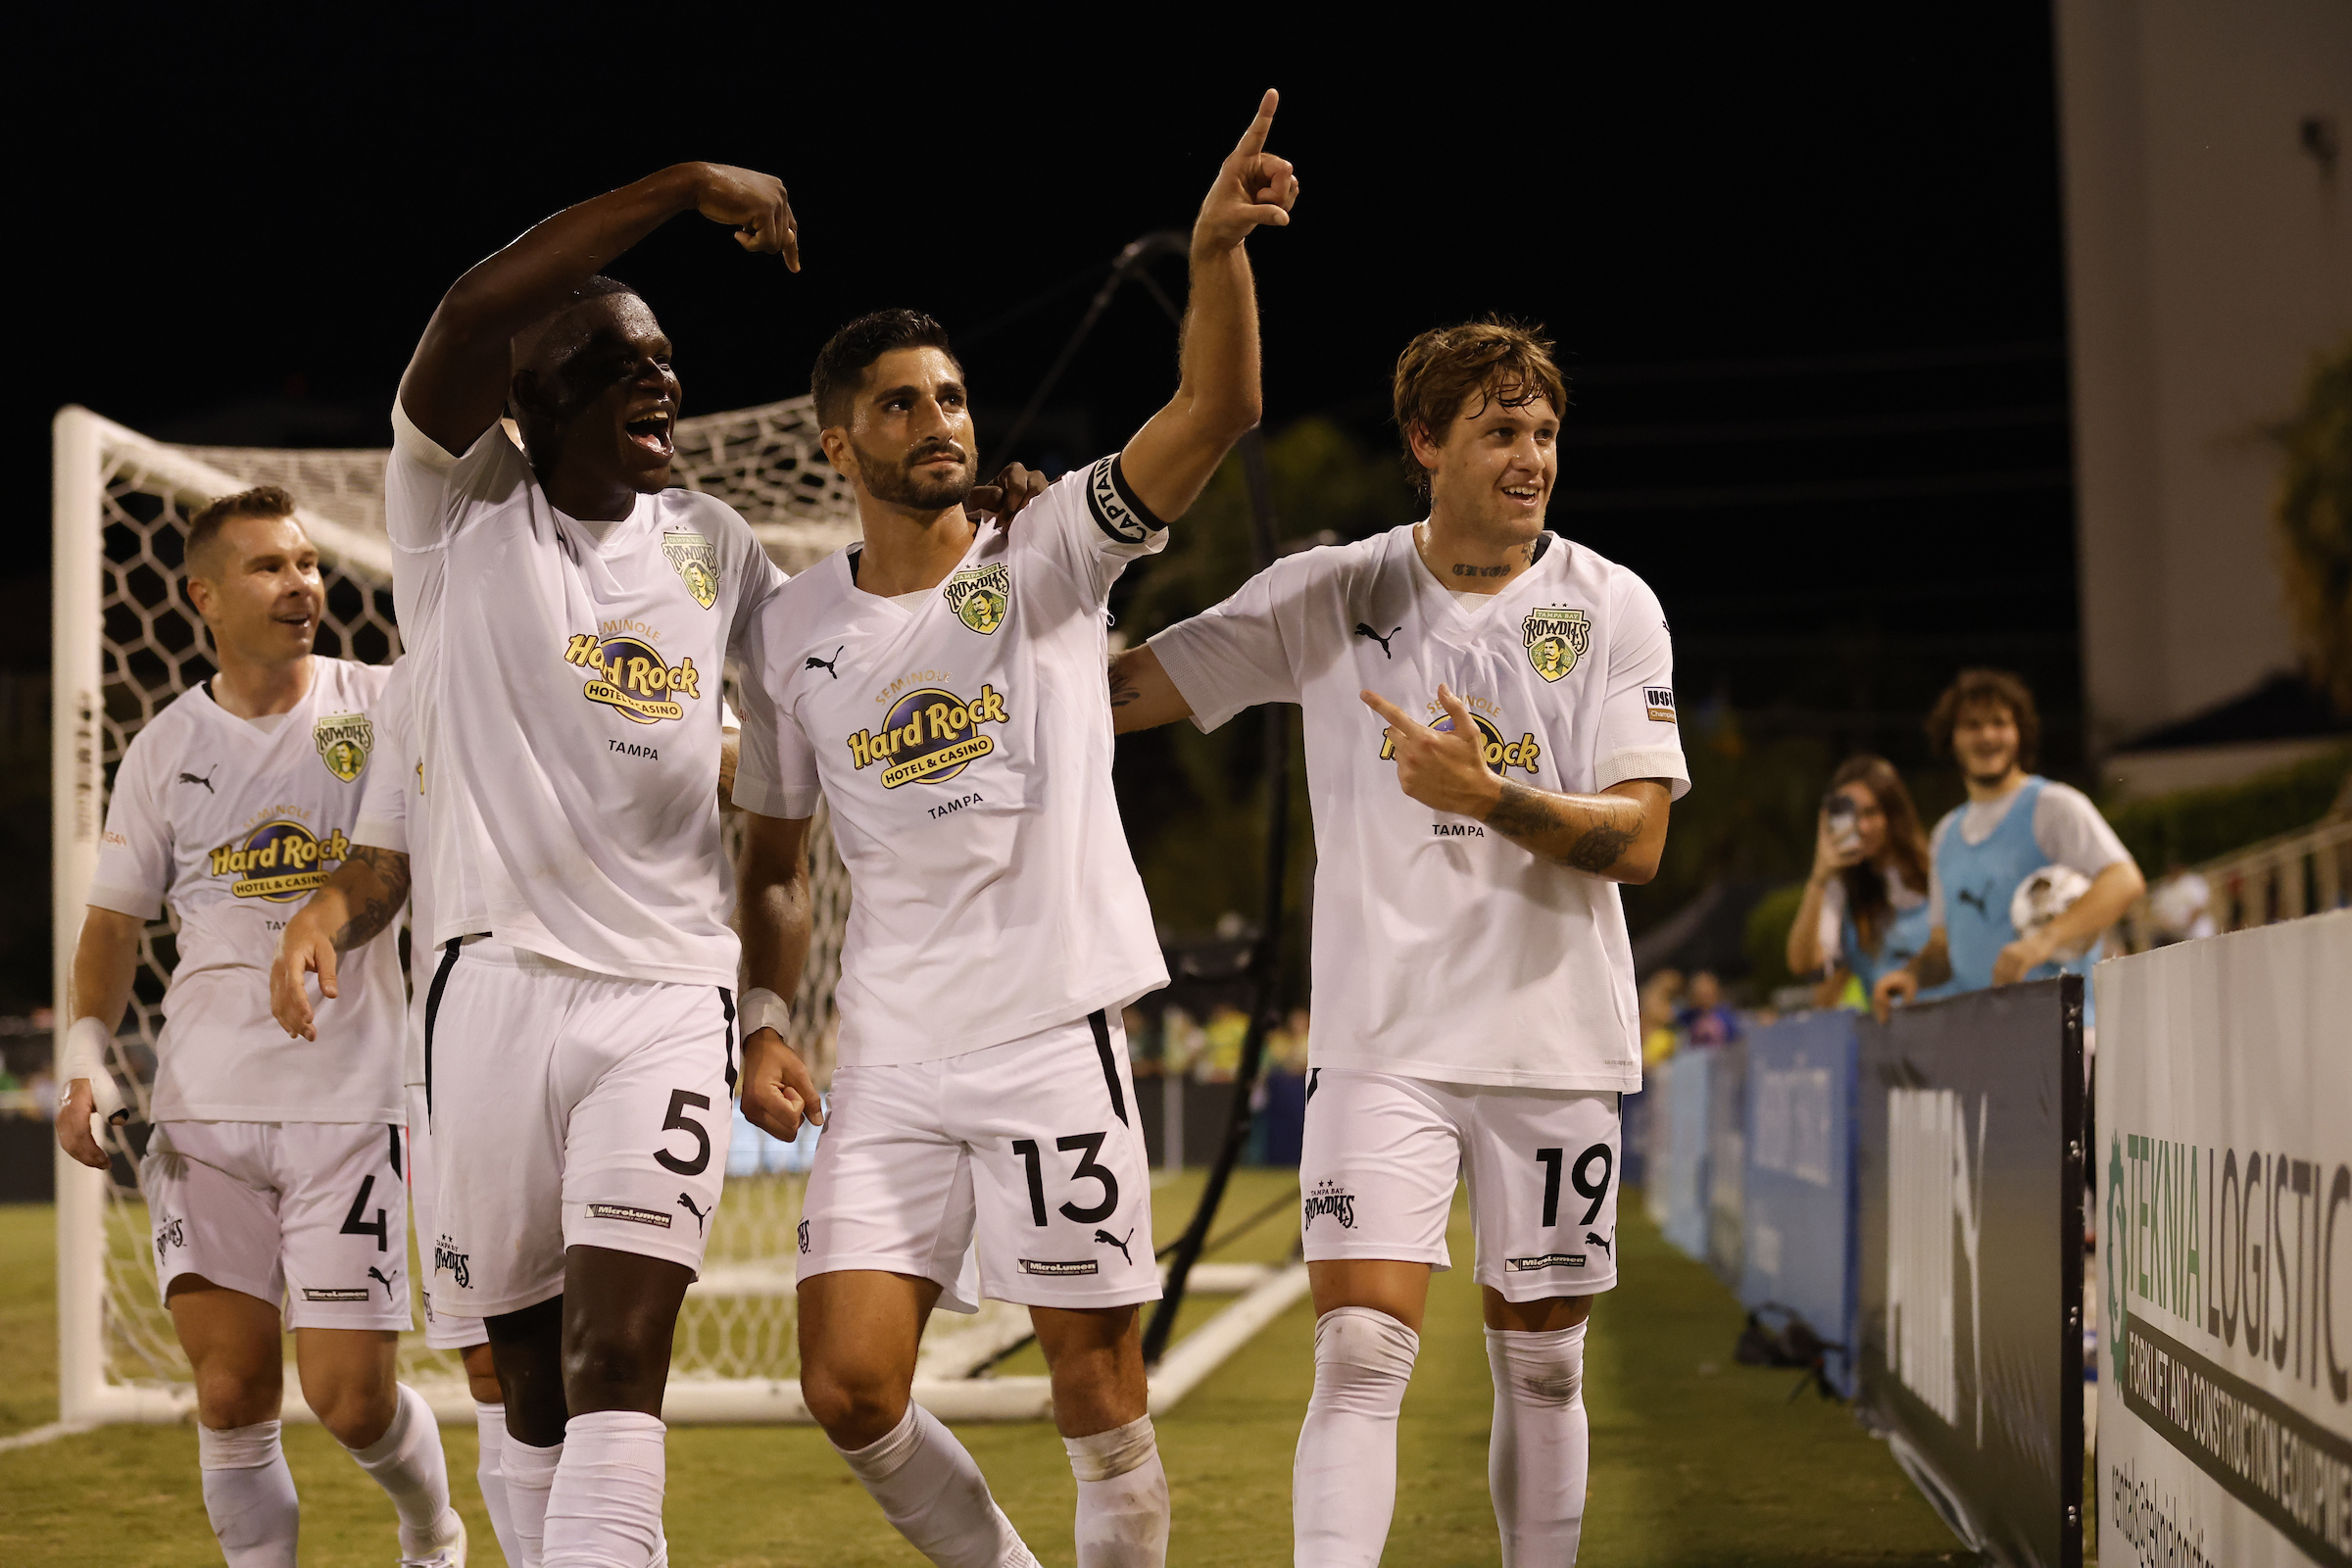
1491, 748
362, 899
568, 617
941, 688
273, 1175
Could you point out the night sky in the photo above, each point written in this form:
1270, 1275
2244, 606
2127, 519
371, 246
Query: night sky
1805, 276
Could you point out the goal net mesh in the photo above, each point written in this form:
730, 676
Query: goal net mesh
738, 1322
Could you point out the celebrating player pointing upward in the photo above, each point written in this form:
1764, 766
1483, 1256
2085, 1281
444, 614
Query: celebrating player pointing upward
1490, 746
942, 689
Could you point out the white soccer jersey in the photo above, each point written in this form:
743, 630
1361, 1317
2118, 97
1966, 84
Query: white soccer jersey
235, 824
391, 817
567, 706
1443, 950
963, 744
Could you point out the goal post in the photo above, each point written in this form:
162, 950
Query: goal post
125, 643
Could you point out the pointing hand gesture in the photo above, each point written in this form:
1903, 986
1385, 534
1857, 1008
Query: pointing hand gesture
1445, 770
1253, 188
754, 205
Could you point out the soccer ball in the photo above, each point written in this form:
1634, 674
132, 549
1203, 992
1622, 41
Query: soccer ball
2044, 896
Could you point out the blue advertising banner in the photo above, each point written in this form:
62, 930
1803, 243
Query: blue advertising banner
1802, 1249
1680, 1174
1727, 1162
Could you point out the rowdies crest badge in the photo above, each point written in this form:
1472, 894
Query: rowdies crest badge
1557, 637
979, 595
697, 560
344, 741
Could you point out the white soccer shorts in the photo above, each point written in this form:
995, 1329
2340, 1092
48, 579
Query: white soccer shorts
1382, 1152
443, 1330
307, 1213
570, 1108
1030, 1148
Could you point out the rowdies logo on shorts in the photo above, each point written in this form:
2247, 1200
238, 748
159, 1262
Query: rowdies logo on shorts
170, 1231
1557, 637
980, 595
632, 676
929, 736
344, 741
458, 1266
1501, 754
1328, 1198
278, 862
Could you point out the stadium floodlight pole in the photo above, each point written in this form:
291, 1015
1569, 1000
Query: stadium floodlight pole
1264, 953
1129, 264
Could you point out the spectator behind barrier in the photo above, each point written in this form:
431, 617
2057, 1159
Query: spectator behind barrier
2015, 825
1865, 910
1660, 995
1706, 1020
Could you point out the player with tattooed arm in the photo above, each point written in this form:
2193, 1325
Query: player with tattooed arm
274, 1174
1490, 747
941, 688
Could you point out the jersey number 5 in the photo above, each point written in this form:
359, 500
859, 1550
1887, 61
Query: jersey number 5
676, 1121
1089, 1144
1551, 1161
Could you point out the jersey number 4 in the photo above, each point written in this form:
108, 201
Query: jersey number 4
354, 1225
1551, 1161
1089, 1145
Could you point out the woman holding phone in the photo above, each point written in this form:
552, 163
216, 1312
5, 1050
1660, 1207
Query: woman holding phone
1865, 910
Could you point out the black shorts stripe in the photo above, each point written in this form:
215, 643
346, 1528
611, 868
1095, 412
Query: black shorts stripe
394, 1130
726, 1000
1314, 1081
433, 1010
1111, 1066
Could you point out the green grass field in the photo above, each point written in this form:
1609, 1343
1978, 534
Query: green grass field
1697, 1460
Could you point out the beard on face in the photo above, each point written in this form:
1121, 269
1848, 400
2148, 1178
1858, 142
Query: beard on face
899, 485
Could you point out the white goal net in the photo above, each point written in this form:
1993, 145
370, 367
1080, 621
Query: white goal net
127, 643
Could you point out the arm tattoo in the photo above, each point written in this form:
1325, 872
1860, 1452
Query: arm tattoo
1123, 689
375, 885
1528, 814
1601, 847
1523, 812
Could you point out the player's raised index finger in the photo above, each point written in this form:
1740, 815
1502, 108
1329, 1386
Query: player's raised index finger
1387, 709
1253, 140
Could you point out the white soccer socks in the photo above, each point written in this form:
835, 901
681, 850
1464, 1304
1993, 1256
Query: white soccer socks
1343, 1485
530, 1477
490, 1435
249, 1495
1542, 1449
1122, 1498
605, 1507
408, 1463
932, 1494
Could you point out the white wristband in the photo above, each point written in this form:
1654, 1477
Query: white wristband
762, 1008
86, 1046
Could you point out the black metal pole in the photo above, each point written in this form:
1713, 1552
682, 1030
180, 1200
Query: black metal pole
1129, 264
1265, 952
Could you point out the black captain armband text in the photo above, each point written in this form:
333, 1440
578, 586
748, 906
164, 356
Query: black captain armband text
1116, 510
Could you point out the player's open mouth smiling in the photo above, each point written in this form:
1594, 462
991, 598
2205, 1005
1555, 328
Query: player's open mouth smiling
651, 428
1525, 494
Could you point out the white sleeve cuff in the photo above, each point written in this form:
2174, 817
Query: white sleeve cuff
1647, 762
1190, 681
136, 902
767, 798
417, 444
382, 833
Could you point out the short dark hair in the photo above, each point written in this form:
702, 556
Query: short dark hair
842, 363
520, 346
204, 529
1974, 686
1493, 357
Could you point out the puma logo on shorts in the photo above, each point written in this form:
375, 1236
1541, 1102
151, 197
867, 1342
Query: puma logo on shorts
630, 1212
1529, 1266
1060, 1268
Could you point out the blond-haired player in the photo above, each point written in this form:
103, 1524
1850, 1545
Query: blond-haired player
1490, 747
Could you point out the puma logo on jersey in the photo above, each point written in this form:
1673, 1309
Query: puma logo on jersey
1108, 1239
632, 678
686, 1202
1971, 896
929, 736
1593, 1238
1364, 630
826, 664
205, 779
381, 1278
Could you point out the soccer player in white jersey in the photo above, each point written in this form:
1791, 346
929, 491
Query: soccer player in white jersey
362, 899
1490, 747
274, 1176
941, 687
568, 617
